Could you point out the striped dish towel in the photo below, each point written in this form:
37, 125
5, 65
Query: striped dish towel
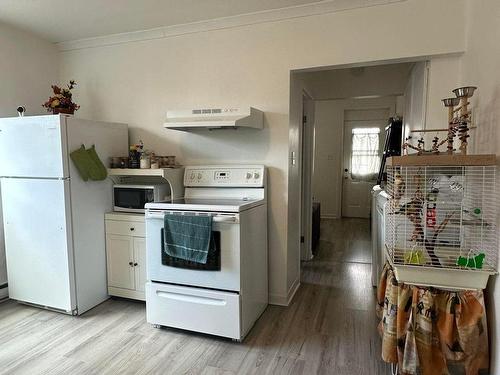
188, 237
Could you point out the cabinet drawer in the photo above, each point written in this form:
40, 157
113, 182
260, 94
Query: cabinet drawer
130, 228
194, 309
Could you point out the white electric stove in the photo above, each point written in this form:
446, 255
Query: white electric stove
226, 295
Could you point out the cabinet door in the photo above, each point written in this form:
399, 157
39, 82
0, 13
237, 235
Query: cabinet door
120, 257
140, 263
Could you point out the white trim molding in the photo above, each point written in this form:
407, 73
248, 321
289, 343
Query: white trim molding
281, 300
273, 15
329, 216
4, 291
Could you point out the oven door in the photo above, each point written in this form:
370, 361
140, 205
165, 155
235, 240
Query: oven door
221, 272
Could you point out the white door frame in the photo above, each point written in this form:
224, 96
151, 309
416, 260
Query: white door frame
306, 172
342, 152
391, 109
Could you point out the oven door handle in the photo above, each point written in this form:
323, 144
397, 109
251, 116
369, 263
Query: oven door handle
191, 298
225, 219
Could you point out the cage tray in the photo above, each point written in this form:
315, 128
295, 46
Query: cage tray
444, 278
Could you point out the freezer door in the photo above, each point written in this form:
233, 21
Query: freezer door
33, 147
38, 242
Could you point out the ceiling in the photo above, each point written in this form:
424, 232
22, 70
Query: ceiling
370, 81
64, 20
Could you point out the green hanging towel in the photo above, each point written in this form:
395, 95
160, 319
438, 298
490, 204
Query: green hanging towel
82, 162
98, 171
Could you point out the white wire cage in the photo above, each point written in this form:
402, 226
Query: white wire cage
441, 221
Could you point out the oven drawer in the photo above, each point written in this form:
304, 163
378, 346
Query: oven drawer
194, 309
126, 228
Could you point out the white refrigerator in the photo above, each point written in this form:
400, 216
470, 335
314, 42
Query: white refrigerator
3, 269
53, 220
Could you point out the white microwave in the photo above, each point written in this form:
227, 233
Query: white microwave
132, 198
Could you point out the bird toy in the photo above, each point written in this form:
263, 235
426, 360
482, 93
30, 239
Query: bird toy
471, 261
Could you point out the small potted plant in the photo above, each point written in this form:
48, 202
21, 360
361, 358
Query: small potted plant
61, 101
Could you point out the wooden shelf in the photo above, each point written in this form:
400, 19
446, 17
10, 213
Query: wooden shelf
444, 160
161, 172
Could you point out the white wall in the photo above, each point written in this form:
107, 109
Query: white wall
28, 67
426, 88
298, 87
415, 95
329, 136
480, 68
250, 65
444, 76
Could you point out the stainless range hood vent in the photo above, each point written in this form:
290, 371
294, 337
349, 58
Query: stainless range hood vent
214, 118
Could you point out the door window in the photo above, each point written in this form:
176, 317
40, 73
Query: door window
213, 260
365, 157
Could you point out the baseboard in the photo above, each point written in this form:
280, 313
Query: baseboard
326, 216
293, 290
281, 300
126, 293
4, 291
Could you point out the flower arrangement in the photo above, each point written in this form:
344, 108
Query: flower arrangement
61, 101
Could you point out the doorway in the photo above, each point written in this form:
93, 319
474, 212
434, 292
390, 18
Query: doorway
341, 139
351, 108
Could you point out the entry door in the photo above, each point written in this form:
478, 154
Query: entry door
363, 147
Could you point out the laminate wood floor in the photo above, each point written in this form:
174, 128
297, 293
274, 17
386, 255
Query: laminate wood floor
330, 328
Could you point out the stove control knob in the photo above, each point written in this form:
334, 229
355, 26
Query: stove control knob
192, 176
249, 175
256, 175
200, 176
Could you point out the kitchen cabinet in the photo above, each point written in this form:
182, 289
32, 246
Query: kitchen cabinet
126, 254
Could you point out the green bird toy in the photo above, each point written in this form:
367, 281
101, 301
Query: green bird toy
472, 262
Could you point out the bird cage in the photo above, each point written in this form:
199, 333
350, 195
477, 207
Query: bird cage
441, 220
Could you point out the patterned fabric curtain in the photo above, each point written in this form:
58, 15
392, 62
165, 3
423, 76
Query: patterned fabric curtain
365, 158
432, 332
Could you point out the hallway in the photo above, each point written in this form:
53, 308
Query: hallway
339, 278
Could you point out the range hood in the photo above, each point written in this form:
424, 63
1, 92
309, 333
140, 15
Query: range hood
215, 118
